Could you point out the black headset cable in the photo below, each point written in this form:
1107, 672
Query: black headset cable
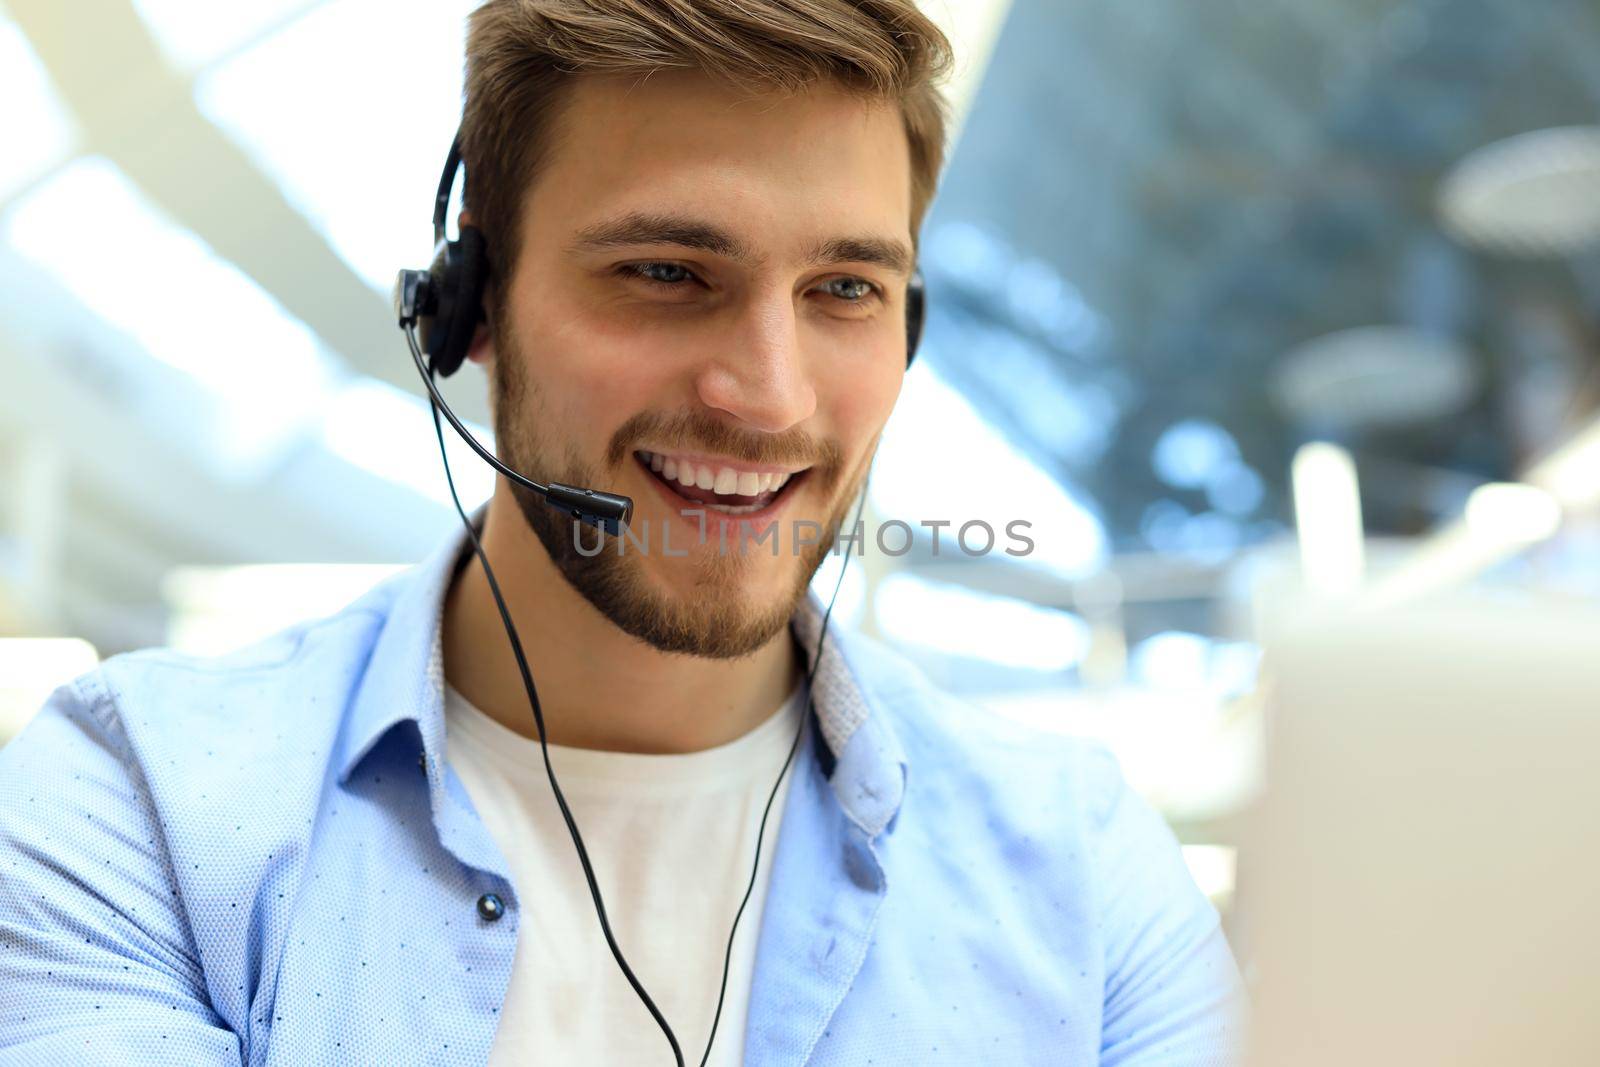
544, 749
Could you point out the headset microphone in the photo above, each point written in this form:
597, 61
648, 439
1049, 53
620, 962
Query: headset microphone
439, 311
414, 299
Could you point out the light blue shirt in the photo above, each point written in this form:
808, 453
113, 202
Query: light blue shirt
265, 859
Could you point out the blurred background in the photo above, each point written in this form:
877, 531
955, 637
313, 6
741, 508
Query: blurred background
1238, 303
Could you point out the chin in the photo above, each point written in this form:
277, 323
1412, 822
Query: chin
756, 580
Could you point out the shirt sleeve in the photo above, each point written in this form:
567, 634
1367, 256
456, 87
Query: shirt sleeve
1173, 994
97, 965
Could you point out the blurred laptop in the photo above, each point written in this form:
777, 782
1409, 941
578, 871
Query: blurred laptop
1422, 883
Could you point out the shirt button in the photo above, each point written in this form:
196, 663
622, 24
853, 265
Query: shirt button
490, 908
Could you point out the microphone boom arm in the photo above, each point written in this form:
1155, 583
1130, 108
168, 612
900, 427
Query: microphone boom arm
607, 511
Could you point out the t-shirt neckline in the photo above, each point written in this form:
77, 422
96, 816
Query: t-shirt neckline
753, 754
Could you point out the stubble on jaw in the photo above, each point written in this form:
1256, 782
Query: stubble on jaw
714, 621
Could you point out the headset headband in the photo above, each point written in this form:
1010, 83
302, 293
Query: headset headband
447, 181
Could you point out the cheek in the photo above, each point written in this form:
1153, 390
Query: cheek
861, 402
594, 370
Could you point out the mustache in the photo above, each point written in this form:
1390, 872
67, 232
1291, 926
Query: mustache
699, 431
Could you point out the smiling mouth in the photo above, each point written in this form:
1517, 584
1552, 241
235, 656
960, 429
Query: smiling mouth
698, 484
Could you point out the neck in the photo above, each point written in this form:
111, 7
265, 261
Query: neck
599, 687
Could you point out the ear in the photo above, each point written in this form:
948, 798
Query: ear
481, 351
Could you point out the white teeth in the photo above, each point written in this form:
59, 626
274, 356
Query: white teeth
732, 509
725, 480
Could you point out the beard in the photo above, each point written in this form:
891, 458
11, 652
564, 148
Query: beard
717, 620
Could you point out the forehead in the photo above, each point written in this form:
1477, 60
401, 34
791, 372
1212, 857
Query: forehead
777, 168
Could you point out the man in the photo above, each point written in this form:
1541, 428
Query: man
342, 846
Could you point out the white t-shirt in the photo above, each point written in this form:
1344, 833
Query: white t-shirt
671, 839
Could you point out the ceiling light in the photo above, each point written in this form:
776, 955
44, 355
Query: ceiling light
1535, 194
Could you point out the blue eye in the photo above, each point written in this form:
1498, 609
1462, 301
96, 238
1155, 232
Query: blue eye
853, 290
668, 274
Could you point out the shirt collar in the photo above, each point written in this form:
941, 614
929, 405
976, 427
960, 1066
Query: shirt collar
404, 676
404, 681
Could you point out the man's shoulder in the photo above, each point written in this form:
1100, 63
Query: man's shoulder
1027, 849
286, 676
971, 750
279, 698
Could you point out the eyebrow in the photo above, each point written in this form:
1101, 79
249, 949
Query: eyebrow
637, 228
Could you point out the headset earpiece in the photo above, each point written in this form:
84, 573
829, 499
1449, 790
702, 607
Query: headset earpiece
916, 313
457, 277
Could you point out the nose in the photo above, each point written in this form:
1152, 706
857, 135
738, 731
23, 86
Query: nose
757, 373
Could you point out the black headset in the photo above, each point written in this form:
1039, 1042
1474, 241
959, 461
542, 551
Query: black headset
439, 310
448, 297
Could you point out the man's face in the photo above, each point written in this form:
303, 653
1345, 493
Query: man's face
708, 283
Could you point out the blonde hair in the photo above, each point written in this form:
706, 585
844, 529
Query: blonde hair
521, 53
